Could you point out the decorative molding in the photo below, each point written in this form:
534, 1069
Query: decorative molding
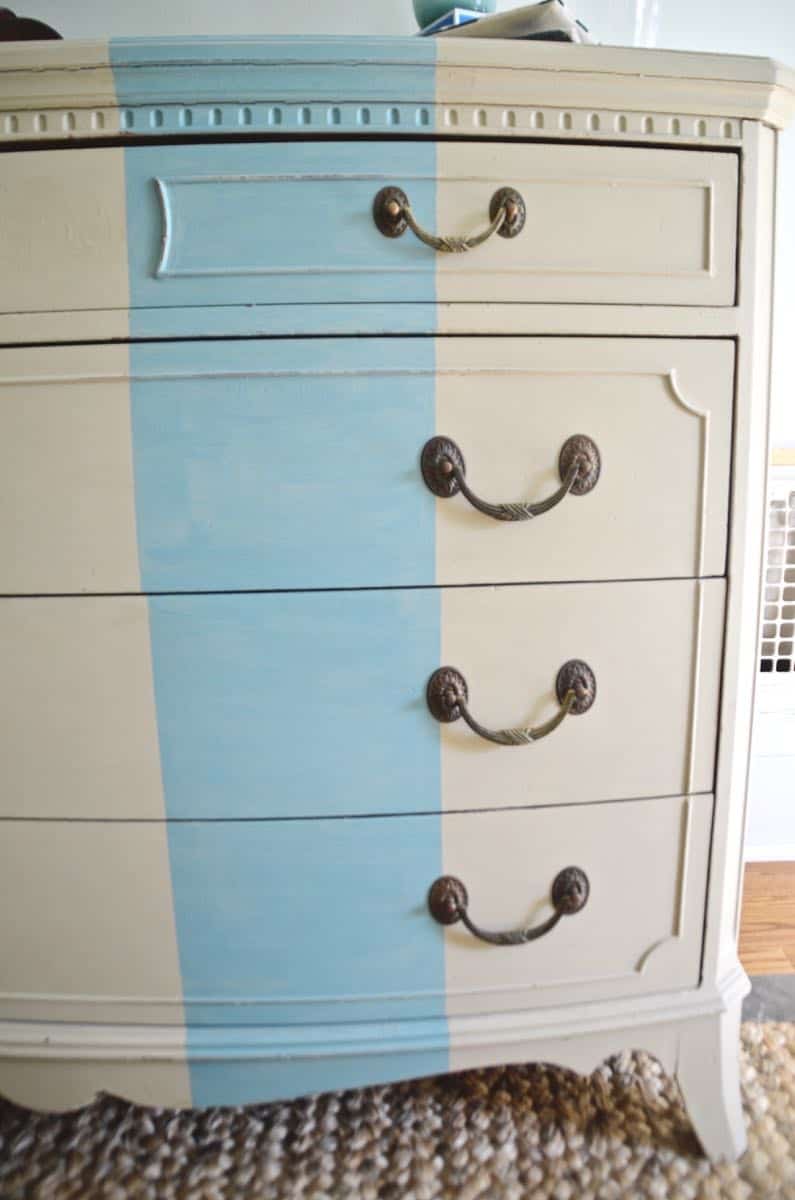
81, 1059
220, 188
120, 1042
58, 124
672, 379
397, 85
681, 896
392, 119
493, 120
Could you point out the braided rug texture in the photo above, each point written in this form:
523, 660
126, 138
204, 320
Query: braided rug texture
520, 1133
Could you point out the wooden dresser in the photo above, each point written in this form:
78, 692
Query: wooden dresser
377, 639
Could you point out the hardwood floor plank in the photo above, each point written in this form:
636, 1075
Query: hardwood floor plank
767, 927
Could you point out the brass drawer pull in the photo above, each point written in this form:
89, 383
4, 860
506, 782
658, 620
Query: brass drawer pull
393, 216
444, 471
448, 900
447, 695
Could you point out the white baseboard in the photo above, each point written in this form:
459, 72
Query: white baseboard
774, 853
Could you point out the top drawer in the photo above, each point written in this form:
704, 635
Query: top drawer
286, 222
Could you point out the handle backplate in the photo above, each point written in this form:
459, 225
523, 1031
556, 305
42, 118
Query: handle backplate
392, 215
576, 676
448, 903
447, 686
389, 208
443, 466
585, 452
511, 200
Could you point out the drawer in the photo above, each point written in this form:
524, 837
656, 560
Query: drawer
292, 222
314, 703
296, 464
217, 923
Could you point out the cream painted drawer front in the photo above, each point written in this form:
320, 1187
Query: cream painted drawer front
292, 223
296, 464
98, 939
640, 930
312, 704
613, 225
218, 923
63, 231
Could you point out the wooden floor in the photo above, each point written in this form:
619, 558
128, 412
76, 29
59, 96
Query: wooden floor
767, 927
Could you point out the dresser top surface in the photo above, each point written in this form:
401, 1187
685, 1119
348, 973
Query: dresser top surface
142, 71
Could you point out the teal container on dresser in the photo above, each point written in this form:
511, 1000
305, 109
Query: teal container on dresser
382, 438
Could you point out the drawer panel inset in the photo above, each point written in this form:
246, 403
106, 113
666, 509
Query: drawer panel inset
306, 923
314, 704
297, 464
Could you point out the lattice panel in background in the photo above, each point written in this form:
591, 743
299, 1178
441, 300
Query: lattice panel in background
778, 608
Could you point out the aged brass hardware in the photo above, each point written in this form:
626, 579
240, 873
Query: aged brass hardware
447, 695
448, 901
444, 471
393, 216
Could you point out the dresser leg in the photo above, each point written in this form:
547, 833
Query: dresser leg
708, 1073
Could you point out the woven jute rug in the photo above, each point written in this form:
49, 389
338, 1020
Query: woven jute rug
530, 1132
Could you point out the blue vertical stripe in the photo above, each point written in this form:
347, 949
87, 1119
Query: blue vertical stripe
235, 1078
282, 464
295, 69
254, 470
298, 704
305, 924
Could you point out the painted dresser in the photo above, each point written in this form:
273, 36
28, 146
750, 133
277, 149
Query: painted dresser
382, 459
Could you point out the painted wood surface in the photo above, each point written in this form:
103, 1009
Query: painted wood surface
78, 720
273, 223
315, 924
746, 556
490, 89
708, 1072
284, 223
98, 941
332, 320
605, 224
295, 463
67, 487
63, 231
660, 412
293, 223
313, 704
79, 671
283, 464
655, 649
639, 932
60, 1065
